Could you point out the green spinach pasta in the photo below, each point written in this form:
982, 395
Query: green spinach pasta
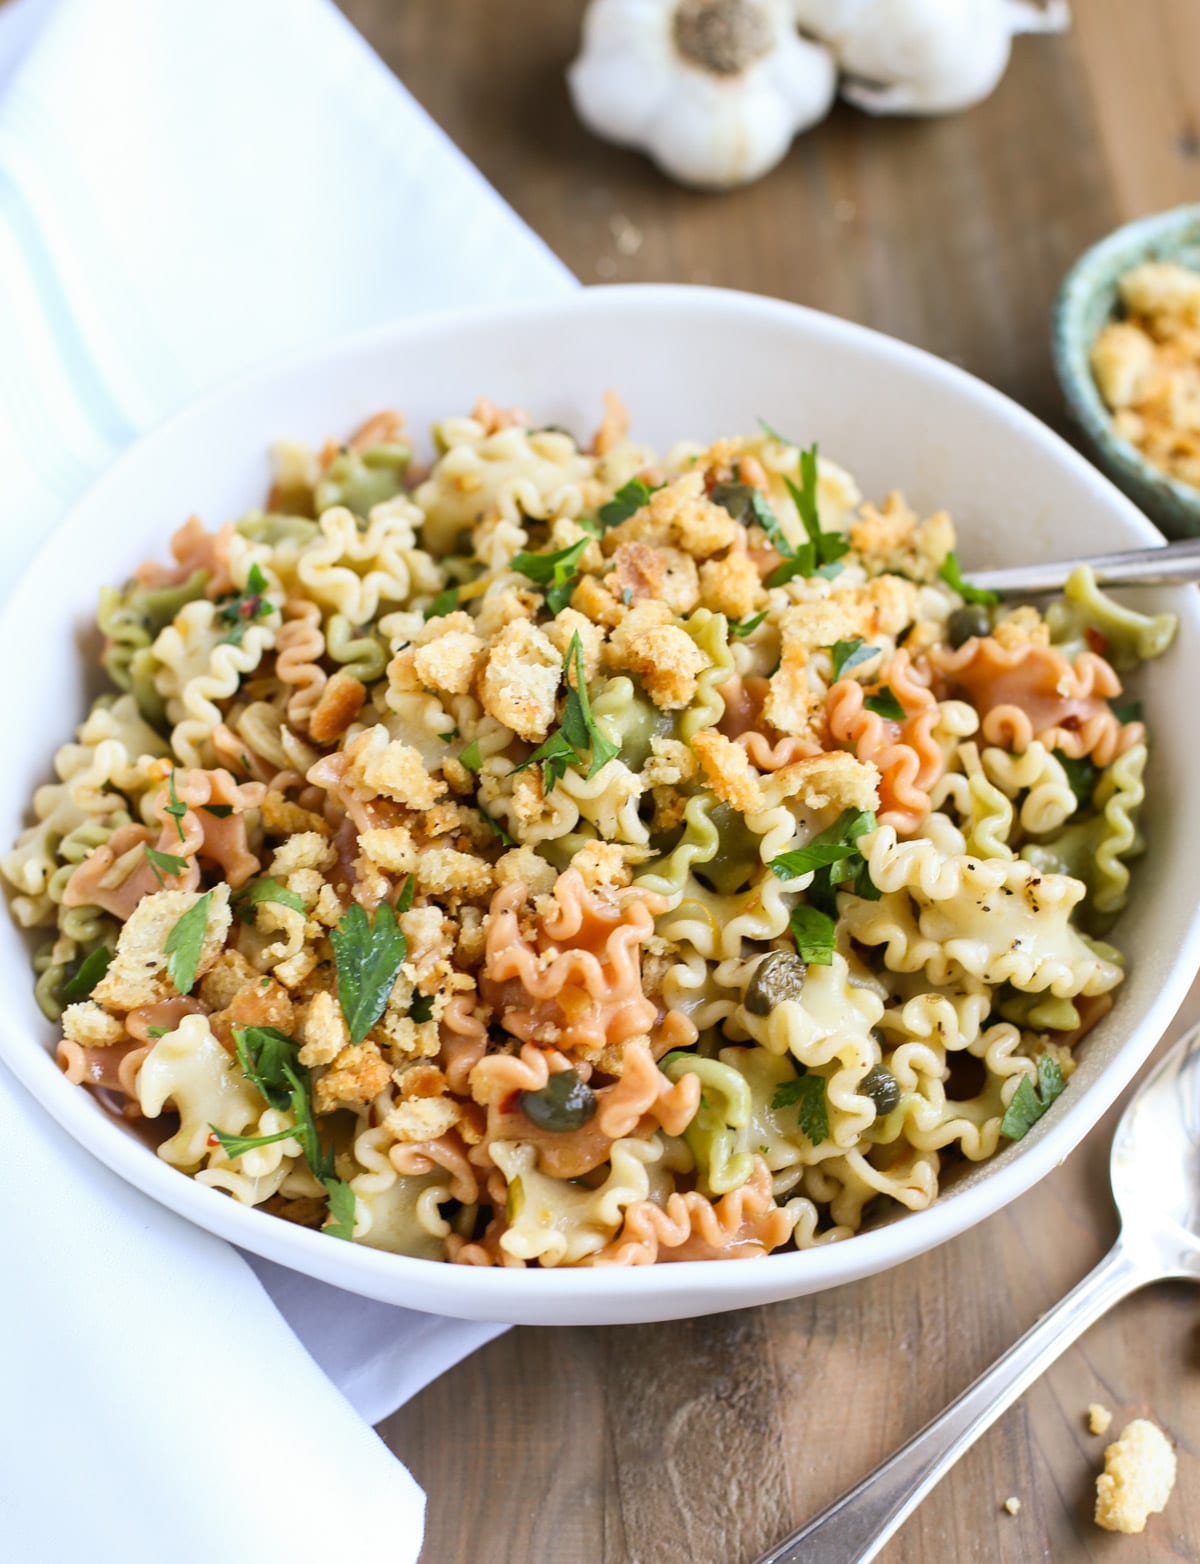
567, 854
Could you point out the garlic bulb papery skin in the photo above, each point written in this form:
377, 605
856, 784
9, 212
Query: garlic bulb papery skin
714, 90
924, 56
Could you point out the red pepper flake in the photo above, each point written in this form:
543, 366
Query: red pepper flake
1097, 641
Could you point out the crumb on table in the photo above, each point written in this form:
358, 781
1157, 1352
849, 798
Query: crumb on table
1138, 1475
1013, 1505
1099, 1418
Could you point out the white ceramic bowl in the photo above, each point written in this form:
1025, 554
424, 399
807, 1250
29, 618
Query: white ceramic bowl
692, 362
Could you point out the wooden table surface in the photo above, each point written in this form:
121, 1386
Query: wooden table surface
705, 1440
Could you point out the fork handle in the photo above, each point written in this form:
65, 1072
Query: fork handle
854, 1528
1166, 564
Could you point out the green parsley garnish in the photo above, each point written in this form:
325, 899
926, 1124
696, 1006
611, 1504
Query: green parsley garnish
270, 1059
577, 734
470, 757
89, 972
164, 863
185, 942
774, 434
626, 502
407, 891
1082, 776
815, 934
745, 503
952, 577
368, 957
836, 860
845, 655
421, 1008
245, 900
1028, 1104
807, 1091
505, 839
557, 572
444, 603
156, 1032
822, 553
1128, 711
746, 627
222, 811
242, 610
175, 809
884, 703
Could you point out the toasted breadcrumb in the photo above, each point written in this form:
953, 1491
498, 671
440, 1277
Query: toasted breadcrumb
1099, 1418
224, 980
596, 603
841, 617
728, 772
138, 972
731, 586
341, 701
570, 623
384, 765
356, 1076
450, 663
1022, 627
680, 514
392, 849
89, 1026
668, 661
304, 850
283, 817
519, 685
442, 870
1162, 288
322, 1030
891, 538
670, 761
1122, 360
1139, 1473
524, 865
408, 1039
823, 781
422, 1118
603, 866
792, 705
1013, 1505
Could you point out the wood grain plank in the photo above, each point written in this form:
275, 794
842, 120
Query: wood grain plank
705, 1439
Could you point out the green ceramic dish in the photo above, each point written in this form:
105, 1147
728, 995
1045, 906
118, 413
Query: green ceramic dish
1086, 300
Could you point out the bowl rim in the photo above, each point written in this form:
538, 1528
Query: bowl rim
660, 1291
1070, 352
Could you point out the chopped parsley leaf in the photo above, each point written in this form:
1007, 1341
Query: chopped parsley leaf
368, 956
164, 863
243, 609
505, 839
1082, 776
577, 734
1128, 711
245, 900
421, 1008
845, 655
626, 502
951, 575
174, 808
444, 603
1028, 1104
746, 627
815, 933
89, 972
156, 1032
470, 757
222, 811
185, 942
807, 1092
884, 703
557, 572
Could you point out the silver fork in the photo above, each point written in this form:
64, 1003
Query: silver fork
1168, 564
1155, 1173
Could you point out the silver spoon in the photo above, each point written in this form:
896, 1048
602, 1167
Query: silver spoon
1155, 1172
1168, 564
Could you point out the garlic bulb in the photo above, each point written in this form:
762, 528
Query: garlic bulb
924, 56
713, 90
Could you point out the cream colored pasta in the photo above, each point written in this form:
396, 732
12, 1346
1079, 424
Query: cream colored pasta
560, 854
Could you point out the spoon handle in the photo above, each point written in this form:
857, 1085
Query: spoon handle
1162, 565
854, 1528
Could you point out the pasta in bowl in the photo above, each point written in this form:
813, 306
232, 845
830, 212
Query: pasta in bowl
899, 420
566, 853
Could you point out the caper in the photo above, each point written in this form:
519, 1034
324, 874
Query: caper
564, 1103
882, 1087
969, 620
779, 976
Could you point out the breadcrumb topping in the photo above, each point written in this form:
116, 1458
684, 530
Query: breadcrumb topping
1138, 1475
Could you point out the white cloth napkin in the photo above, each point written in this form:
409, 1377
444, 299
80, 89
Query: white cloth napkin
186, 187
